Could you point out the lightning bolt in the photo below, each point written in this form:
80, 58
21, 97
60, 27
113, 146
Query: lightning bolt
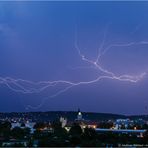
30, 87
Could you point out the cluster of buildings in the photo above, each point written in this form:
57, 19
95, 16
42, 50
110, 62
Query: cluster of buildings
116, 126
119, 125
27, 124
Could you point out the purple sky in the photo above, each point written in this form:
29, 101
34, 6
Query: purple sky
38, 43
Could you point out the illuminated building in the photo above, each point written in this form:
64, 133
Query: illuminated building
79, 116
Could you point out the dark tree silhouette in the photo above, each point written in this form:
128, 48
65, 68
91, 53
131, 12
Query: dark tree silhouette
75, 130
5, 128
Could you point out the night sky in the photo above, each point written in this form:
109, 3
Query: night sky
37, 43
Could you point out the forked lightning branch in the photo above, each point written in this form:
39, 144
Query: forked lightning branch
31, 87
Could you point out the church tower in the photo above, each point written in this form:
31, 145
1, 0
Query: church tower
79, 116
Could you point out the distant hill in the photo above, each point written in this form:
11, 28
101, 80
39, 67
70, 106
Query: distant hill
70, 115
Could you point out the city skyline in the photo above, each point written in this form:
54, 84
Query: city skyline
65, 55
